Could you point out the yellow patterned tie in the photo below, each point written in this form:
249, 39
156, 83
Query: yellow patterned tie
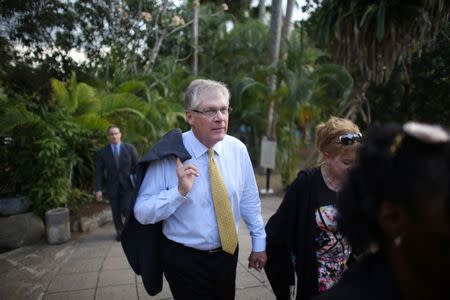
222, 207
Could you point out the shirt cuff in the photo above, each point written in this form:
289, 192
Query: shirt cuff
258, 244
174, 194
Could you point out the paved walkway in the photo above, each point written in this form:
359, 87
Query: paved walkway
93, 266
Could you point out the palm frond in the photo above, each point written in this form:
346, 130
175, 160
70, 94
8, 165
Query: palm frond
374, 35
123, 102
299, 88
131, 86
16, 116
87, 100
62, 95
92, 122
336, 77
244, 84
128, 110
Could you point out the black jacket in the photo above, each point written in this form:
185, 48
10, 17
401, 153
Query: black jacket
141, 243
290, 240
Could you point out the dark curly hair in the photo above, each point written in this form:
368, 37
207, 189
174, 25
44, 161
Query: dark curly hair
393, 166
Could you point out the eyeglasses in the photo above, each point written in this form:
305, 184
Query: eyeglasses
350, 138
211, 113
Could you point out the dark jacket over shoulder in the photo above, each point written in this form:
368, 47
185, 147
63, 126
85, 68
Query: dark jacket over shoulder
290, 240
141, 243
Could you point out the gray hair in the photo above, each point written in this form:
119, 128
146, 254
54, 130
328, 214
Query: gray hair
200, 86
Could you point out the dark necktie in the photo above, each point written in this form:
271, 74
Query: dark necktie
116, 155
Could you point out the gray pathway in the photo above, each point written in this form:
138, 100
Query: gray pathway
93, 266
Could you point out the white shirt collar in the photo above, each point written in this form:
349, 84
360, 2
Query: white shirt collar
114, 145
198, 149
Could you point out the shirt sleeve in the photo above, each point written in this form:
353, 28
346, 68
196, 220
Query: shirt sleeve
250, 206
158, 196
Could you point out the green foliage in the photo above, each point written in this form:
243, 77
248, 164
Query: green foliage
59, 142
50, 158
422, 93
243, 49
249, 102
55, 120
51, 183
15, 115
76, 200
309, 92
374, 36
131, 87
308, 89
160, 95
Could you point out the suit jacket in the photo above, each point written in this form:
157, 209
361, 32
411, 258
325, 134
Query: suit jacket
141, 243
127, 164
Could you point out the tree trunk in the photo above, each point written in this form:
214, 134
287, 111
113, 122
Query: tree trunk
155, 51
135, 60
261, 10
360, 105
287, 26
159, 39
274, 54
195, 37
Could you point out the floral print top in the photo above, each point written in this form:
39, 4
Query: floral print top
333, 249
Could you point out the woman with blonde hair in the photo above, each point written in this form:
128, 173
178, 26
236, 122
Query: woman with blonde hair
302, 236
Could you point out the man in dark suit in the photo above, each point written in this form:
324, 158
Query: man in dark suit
119, 160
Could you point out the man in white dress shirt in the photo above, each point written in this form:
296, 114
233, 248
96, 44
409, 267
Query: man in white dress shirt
180, 195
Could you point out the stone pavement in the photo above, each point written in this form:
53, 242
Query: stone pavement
93, 266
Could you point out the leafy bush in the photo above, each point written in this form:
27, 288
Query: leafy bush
76, 200
47, 160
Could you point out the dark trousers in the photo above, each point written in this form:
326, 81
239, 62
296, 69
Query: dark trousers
120, 205
200, 275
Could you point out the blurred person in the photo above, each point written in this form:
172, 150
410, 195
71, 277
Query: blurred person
200, 201
118, 160
395, 206
302, 235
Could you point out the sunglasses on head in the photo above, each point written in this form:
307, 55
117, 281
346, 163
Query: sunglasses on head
350, 138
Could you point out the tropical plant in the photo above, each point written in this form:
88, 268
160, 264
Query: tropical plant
76, 200
243, 50
375, 34
63, 136
249, 102
422, 93
162, 93
371, 37
313, 92
46, 143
